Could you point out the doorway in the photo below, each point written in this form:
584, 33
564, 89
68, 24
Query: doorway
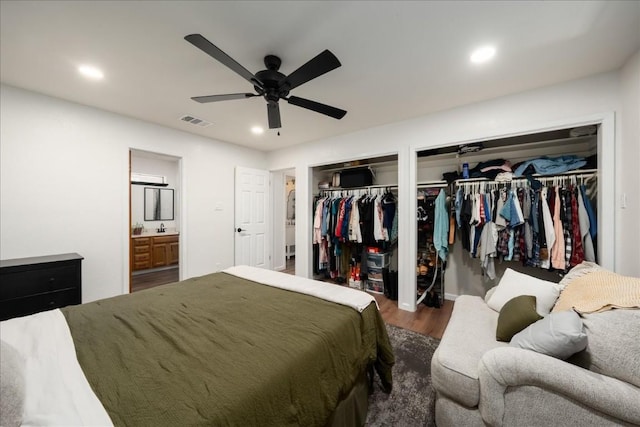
155, 195
290, 222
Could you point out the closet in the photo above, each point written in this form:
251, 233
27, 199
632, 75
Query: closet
354, 221
481, 175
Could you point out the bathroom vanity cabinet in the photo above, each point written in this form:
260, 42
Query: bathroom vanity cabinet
155, 251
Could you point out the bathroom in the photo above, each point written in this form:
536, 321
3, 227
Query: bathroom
155, 220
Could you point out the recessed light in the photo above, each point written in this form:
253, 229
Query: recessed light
91, 72
483, 54
257, 130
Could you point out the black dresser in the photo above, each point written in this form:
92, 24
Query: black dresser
30, 285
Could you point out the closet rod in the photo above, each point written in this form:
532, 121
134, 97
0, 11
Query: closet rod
585, 173
578, 173
359, 189
366, 187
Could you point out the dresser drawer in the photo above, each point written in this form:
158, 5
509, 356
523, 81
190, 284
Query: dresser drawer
36, 303
39, 280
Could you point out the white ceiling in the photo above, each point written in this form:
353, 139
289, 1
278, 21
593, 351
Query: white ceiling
399, 59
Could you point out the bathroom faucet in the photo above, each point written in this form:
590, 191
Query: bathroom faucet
161, 229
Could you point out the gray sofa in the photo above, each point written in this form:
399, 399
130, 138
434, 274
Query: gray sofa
480, 381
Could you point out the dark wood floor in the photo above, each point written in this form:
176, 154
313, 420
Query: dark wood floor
143, 281
425, 320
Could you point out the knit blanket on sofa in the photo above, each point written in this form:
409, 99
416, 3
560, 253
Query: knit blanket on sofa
599, 291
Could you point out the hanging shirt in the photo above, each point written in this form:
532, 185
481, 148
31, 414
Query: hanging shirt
567, 224
347, 217
550, 236
441, 226
487, 249
354, 223
577, 254
500, 220
378, 229
317, 222
593, 222
458, 206
557, 250
589, 253
325, 217
516, 212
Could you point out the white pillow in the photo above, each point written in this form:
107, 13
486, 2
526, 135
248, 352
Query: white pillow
513, 284
558, 335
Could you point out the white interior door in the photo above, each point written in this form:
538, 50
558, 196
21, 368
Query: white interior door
251, 217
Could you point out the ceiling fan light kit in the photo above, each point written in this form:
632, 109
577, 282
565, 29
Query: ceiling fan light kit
271, 84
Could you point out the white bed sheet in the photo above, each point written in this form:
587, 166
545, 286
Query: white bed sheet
57, 391
354, 298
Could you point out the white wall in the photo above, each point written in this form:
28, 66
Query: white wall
64, 187
628, 180
510, 115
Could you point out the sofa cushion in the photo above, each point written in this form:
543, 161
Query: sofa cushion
469, 334
612, 344
513, 284
558, 335
515, 315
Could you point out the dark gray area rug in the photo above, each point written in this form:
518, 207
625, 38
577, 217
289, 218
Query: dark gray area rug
412, 400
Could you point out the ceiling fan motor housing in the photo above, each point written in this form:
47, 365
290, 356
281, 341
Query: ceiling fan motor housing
273, 81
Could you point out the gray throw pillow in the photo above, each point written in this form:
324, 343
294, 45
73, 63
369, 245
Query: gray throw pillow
11, 386
558, 335
613, 346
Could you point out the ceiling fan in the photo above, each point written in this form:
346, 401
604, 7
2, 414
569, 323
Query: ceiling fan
270, 83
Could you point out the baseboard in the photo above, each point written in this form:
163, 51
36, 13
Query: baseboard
450, 297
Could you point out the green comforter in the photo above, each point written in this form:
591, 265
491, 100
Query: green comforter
221, 350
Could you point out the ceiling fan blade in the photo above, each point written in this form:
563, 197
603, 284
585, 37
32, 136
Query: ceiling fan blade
328, 110
227, 97
209, 48
273, 111
322, 63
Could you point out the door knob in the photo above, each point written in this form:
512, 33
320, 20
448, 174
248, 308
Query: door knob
240, 230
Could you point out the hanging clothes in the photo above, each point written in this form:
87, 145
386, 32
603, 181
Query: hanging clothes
343, 224
529, 221
441, 226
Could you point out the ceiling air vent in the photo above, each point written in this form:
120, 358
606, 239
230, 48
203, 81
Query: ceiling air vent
195, 121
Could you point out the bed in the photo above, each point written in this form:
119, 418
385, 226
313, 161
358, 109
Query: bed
244, 346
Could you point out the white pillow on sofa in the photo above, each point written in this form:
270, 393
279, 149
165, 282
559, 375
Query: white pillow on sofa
513, 284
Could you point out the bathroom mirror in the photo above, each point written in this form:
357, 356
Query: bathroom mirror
158, 204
